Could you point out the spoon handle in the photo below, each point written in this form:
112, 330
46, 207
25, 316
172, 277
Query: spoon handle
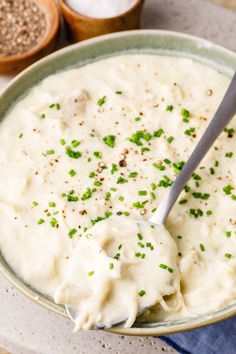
223, 115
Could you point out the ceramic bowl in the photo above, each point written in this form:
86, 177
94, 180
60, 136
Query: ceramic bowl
145, 41
84, 27
13, 64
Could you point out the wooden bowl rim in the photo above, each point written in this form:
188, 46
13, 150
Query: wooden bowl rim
54, 25
74, 13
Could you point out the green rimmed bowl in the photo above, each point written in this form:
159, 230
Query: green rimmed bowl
144, 41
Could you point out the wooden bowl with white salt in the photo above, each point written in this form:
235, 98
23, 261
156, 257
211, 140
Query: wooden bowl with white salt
91, 18
28, 29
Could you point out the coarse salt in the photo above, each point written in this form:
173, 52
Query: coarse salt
101, 8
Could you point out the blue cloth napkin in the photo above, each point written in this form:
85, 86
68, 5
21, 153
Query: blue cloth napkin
215, 339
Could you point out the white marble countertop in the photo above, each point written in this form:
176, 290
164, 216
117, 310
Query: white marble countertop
26, 328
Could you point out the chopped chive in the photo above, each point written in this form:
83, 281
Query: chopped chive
228, 189
198, 195
144, 149
92, 174
111, 266
110, 140
167, 161
228, 255
101, 101
88, 194
133, 174
137, 119
97, 183
53, 222
140, 244
158, 133
119, 92
169, 108
149, 245
142, 193
230, 132
52, 204
73, 154
71, 233
196, 177
97, 154
50, 152
117, 256
142, 293
72, 173
114, 168
178, 166
75, 143
153, 186
170, 139
183, 201
139, 235
21, 135
72, 198
121, 198
153, 196
91, 273
41, 221
228, 234
212, 171
121, 180
229, 154
159, 166
35, 203
165, 182
139, 205
62, 142
189, 131
202, 248
163, 266
185, 115
108, 196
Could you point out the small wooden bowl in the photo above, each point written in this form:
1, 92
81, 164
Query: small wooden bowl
15, 63
84, 27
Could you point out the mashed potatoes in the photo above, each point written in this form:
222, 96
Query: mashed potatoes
107, 140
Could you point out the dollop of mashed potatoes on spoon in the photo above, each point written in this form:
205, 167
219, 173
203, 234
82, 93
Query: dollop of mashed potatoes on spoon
119, 268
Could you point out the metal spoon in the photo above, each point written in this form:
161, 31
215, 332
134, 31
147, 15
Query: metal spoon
223, 115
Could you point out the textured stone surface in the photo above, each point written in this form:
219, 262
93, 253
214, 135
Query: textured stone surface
26, 328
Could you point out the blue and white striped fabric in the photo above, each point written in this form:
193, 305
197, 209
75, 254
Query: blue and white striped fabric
215, 339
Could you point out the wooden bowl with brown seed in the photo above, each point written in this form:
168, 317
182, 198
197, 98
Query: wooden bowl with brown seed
84, 27
28, 29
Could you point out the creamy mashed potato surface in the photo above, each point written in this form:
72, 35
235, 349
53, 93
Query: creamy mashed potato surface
100, 145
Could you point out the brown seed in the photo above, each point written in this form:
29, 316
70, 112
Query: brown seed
102, 164
122, 163
23, 24
143, 211
209, 92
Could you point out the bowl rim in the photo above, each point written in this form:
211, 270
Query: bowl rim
78, 15
53, 26
158, 329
